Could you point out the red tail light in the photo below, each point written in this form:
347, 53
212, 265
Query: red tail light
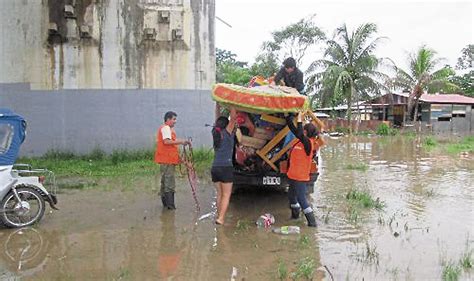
41, 179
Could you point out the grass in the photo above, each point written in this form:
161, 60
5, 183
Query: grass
371, 254
100, 164
282, 270
451, 272
465, 145
305, 269
242, 226
357, 166
304, 242
385, 130
363, 199
429, 142
466, 260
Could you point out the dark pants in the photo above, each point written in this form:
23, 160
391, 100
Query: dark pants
297, 196
168, 183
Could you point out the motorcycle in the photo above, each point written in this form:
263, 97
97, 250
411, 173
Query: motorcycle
22, 189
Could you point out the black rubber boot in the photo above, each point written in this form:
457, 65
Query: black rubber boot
295, 213
163, 200
311, 219
169, 198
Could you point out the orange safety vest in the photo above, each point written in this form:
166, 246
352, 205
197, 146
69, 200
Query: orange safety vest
300, 163
166, 153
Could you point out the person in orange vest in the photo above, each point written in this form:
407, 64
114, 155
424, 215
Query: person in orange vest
301, 157
167, 155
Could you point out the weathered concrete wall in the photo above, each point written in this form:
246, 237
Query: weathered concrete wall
110, 44
81, 120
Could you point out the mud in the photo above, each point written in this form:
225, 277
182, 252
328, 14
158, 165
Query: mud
122, 232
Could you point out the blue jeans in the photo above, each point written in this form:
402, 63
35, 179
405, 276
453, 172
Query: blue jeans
297, 196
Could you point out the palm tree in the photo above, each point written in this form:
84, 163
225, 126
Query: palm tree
422, 77
348, 71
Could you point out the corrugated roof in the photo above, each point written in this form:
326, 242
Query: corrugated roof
434, 98
447, 98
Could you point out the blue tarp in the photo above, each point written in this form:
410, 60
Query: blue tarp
12, 135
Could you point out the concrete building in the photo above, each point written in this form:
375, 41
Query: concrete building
108, 44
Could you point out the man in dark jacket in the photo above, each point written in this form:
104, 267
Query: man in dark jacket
291, 75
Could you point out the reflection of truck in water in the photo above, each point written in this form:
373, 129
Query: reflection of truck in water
261, 155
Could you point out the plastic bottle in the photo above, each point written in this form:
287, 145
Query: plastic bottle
265, 220
288, 229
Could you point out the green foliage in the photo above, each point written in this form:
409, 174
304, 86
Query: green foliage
430, 141
348, 73
304, 242
282, 270
424, 76
242, 226
466, 260
265, 65
385, 130
100, 164
465, 83
451, 272
465, 145
466, 59
357, 166
294, 40
232, 74
305, 269
343, 130
364, 199
229, 70
227, 57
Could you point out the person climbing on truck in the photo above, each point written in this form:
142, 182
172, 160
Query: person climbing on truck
291, 75
300, 159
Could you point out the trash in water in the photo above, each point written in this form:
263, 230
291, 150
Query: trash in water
205, 216
265, 220
233, 275
288, 229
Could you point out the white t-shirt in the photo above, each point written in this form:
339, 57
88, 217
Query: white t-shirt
166, 132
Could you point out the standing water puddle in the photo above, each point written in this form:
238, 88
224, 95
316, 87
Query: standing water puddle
427, 220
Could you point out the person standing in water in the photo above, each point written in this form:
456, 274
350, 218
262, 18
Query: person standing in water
222, 171
301, 157
167, 156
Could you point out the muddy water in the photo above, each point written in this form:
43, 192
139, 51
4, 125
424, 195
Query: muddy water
124, 234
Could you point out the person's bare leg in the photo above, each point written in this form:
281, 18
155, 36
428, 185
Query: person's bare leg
225, 198
218, 186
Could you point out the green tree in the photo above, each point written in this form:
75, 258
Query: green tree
294, 40
466, 60
464, 77
229, 70
465, 82
265, 65
348, 71
423, 76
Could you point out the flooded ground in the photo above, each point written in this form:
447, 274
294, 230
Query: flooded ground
123, 233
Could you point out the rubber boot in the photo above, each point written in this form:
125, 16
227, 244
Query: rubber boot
295, 213
163, 200
311, 219
169, 198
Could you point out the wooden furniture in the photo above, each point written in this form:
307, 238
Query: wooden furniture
263, 152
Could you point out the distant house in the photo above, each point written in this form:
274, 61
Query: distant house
444, 113
340, 111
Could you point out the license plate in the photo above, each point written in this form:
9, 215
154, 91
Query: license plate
271, 180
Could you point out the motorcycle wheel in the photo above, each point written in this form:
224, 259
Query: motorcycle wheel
28, 211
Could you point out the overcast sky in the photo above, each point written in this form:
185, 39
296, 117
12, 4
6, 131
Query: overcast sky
445, 26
